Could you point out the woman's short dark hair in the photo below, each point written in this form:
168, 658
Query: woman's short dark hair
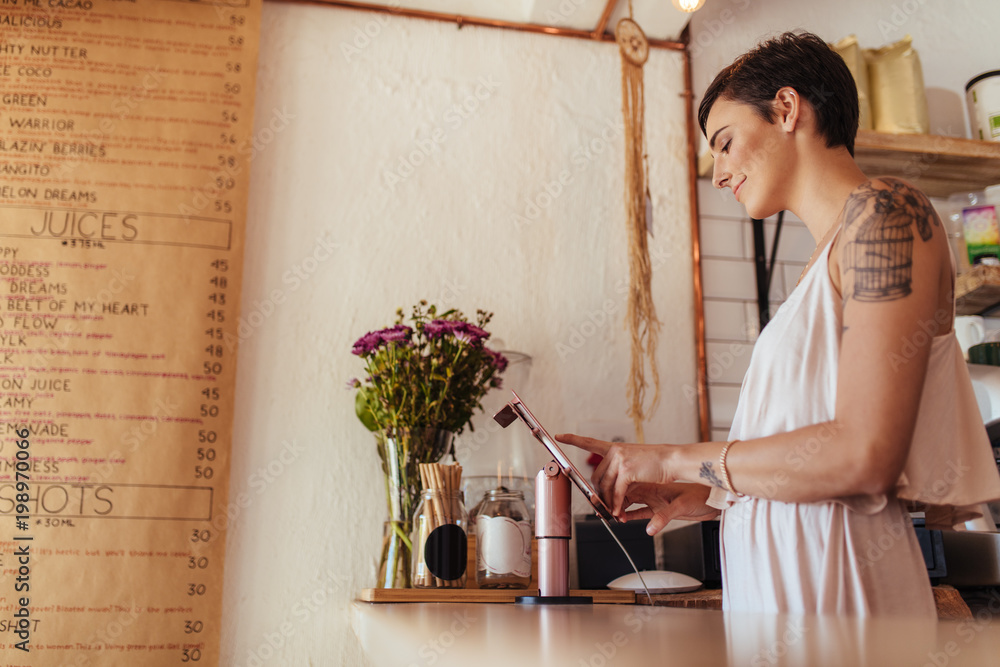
806, 63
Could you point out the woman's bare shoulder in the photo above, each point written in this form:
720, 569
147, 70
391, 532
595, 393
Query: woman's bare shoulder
889, 202
888, 206
887, 226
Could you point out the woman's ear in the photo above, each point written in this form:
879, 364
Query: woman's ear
787, 107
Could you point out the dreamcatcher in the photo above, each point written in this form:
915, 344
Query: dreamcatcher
641, 313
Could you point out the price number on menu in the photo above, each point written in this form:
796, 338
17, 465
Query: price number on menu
191, 655
233, 65
213, 364
195, 590
215, 351
233, 70
192, 627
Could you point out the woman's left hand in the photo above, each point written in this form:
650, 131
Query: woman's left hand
623, 465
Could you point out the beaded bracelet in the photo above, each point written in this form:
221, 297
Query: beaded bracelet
725, 472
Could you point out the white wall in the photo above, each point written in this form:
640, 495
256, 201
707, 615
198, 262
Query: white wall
956, 41
335, 122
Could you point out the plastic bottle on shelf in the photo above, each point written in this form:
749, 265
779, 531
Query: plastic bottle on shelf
950, 212
993, 195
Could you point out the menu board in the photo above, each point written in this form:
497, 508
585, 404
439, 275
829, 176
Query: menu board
126, 133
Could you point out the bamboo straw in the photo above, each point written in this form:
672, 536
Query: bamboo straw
447, 476
444, 502
434, 481
433, 521
418, 548
456, 484
442, 490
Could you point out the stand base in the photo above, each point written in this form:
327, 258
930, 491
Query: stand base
554, 599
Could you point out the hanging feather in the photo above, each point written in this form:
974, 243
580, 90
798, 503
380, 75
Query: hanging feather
641, 317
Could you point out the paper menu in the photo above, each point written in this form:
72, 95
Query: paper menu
125, 140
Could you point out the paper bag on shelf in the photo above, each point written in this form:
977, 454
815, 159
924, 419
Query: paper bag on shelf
850, 51
896, 79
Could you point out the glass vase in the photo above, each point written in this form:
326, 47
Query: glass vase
394, 563
401, 452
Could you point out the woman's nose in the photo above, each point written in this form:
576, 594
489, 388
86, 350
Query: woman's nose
720, 177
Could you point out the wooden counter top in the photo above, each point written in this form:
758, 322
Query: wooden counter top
603, 635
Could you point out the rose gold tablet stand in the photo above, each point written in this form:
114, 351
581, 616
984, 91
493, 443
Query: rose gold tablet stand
553, 521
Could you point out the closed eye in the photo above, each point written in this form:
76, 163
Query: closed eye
725, 149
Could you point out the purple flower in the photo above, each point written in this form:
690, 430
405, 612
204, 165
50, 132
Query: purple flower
367, 344
397, 334
373, 340
463, 331
353, 383
498, 359
439, 328
475, 333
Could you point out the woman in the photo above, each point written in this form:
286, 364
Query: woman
857, 398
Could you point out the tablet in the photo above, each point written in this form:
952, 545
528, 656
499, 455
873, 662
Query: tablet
517, 409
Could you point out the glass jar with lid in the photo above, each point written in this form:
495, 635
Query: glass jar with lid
503, 540
440, 544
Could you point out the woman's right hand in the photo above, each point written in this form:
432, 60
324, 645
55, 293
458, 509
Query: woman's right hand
665, 502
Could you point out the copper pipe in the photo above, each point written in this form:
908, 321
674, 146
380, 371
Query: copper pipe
605, 17
485, 23
704, 415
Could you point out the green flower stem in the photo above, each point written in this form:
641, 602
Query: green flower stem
402, 535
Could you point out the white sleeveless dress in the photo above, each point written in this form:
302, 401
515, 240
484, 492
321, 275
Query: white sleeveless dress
856, 555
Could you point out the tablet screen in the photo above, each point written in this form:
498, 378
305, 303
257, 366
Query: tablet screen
517, 409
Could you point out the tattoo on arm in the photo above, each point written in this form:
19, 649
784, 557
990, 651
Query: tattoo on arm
708, 473
880, 219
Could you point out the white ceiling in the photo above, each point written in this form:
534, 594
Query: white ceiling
658, 18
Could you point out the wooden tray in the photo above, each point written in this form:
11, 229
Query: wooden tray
479, 595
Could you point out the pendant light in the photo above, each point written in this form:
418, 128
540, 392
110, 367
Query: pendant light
688, 6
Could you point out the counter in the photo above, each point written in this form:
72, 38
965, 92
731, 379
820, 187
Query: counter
412, 635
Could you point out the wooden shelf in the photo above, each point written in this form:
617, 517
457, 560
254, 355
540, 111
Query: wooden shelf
977, 290
937, 165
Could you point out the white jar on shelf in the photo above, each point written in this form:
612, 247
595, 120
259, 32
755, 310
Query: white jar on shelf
982, 95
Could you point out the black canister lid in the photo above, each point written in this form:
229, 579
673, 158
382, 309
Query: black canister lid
977, 79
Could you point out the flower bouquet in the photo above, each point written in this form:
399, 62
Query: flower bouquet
426, 380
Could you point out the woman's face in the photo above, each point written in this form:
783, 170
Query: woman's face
749, 157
